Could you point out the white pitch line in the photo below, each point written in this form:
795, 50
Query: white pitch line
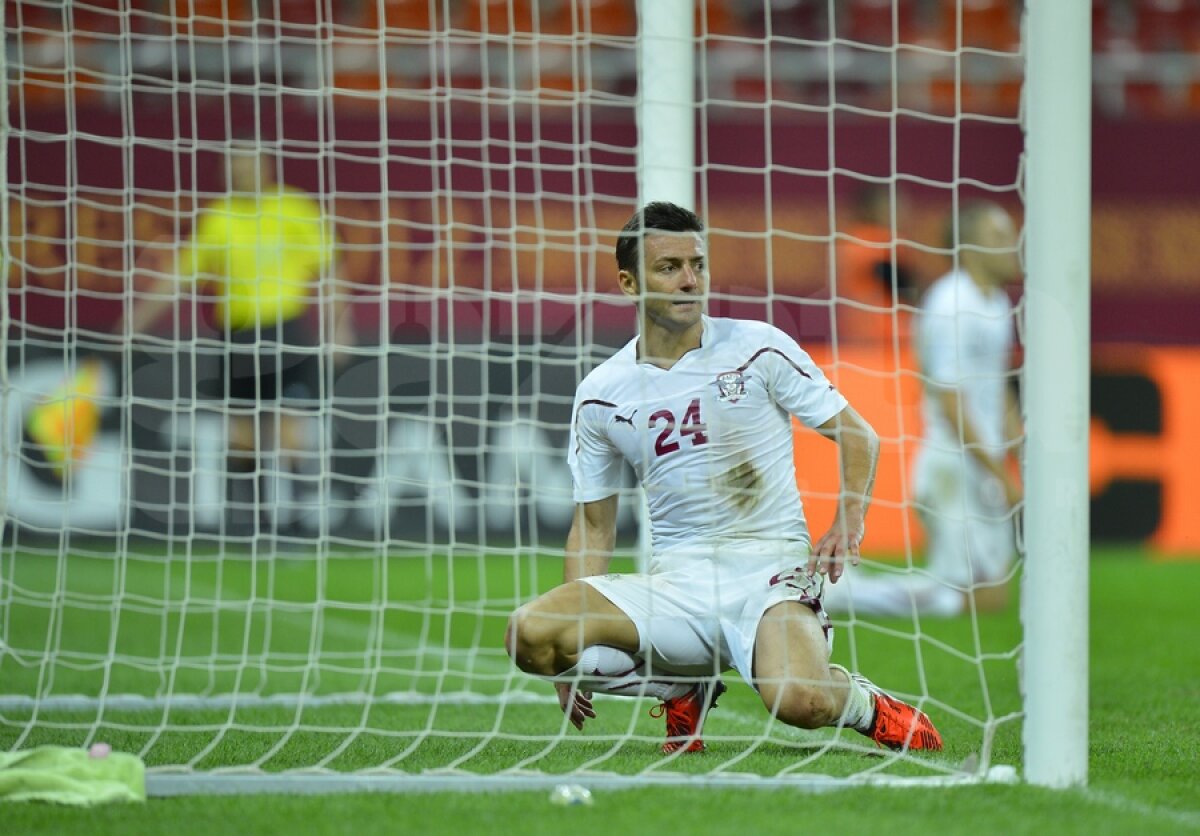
1188, 818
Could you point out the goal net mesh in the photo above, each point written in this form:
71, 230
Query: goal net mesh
328, 595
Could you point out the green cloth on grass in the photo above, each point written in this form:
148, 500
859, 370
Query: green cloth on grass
66, 775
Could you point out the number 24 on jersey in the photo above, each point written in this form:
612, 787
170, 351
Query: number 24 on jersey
691, 429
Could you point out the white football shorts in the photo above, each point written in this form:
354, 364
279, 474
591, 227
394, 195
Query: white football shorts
697, 610
967, 521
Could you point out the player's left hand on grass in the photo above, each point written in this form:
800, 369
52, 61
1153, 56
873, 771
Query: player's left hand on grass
576, 704
837, 546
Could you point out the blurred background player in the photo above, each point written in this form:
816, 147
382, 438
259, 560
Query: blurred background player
875, 280
263, 254
965, 491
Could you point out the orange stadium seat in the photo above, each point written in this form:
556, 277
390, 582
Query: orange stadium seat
23, 15
83, 20
714, 17
1158, 99
298, 14
402, 14
1108, 28
49, 83
871, 21
986, 24
38, 89
307, 18
613, 18
619, 18
212, 18
1167, 25
806, 19
497, 17
97, 17
1002, 98
57, 88
367, 83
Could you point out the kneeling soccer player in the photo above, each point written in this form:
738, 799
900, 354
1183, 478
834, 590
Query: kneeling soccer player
701, 409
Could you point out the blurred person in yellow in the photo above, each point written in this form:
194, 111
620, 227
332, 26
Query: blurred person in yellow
264, 253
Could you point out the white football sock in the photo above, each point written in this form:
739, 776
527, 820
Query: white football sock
859, 713
611, 671
864, 593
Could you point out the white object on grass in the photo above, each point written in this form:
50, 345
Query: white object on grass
571, 795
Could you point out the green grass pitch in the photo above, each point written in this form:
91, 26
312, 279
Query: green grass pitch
403, 665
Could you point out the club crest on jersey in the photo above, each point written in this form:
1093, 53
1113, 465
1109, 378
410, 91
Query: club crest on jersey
731, 387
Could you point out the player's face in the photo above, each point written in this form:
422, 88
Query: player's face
675, 279
998, 238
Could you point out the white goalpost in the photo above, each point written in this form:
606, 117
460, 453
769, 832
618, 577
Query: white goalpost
667, 104
1055, 585
305, 590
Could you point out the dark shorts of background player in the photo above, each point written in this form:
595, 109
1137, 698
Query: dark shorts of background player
271, 364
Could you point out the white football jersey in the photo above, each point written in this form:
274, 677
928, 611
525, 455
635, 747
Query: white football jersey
710, 438
964, 340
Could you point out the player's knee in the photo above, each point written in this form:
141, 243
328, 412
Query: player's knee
530, 644
806, 706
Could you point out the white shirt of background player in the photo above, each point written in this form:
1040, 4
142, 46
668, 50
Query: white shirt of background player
964, 340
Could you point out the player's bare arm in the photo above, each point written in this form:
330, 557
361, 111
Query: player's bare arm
590, 541
858, 447
951, 403
588, 552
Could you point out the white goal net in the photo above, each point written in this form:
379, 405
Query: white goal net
289, 550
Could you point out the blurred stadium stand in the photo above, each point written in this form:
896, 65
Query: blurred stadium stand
1146, 52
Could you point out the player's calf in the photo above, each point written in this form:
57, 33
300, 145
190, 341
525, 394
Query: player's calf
806, 705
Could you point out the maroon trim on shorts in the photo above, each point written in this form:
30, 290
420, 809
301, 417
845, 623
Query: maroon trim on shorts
598, 673
813, 602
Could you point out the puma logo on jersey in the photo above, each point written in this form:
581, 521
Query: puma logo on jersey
625, 420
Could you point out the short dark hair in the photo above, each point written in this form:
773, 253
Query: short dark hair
660, 216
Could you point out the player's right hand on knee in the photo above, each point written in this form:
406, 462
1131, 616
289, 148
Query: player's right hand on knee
576, 704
